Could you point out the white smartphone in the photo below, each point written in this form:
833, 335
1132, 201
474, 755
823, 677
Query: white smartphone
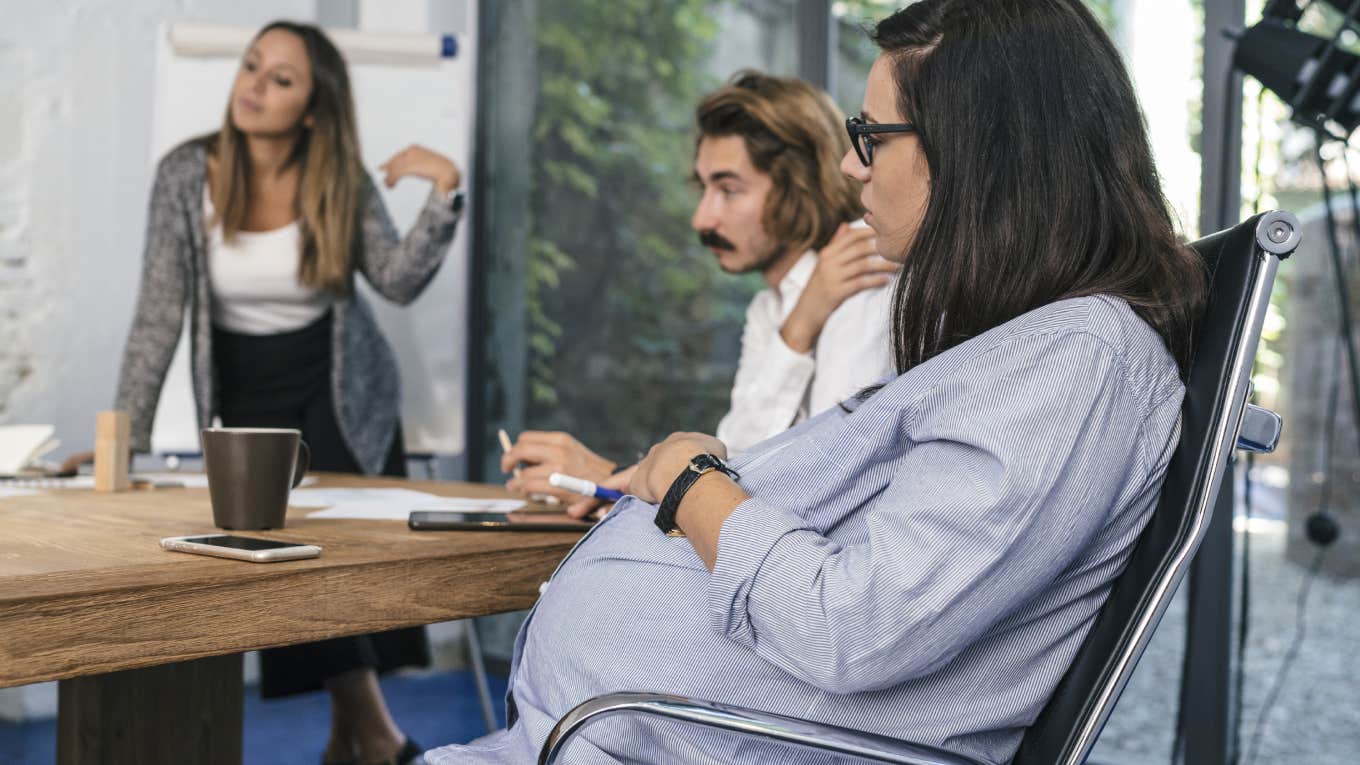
241, 548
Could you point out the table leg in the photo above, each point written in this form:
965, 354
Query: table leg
176, 713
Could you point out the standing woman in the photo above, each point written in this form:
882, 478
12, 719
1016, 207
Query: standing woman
255, 232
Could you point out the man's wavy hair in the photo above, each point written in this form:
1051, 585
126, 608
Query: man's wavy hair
796, 135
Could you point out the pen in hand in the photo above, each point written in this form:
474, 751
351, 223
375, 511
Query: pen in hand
506, 446
582, 486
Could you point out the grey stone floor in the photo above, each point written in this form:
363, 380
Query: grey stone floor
1316, 718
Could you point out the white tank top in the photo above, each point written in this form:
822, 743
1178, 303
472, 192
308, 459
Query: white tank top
254, 280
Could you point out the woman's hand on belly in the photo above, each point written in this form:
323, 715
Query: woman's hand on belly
665, 461
712, 498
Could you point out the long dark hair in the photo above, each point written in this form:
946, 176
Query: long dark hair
330, 186
1042, 180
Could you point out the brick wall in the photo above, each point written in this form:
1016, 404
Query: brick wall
78, 90
16, 282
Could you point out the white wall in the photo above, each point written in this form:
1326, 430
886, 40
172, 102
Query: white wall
77, 81
75, 173
1159, 41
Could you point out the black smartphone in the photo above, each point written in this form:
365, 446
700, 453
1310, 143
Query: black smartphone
448, 520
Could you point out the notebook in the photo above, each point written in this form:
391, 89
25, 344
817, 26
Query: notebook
23, 445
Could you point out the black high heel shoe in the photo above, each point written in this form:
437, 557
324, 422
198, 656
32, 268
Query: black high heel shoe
410, 753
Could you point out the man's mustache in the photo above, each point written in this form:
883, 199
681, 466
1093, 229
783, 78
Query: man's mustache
713, 239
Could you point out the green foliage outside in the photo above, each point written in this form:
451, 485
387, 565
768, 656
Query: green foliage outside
634, 331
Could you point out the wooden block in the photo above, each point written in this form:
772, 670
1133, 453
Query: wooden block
112, 442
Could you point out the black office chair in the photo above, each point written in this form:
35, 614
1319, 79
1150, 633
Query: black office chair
1216, 417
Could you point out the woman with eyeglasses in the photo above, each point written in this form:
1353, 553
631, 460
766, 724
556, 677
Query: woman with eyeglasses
257, 233
924, 561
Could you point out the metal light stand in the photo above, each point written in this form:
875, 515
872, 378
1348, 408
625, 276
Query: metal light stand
1207, 729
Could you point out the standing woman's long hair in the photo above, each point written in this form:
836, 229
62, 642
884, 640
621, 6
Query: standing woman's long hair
1042, 180
330, 190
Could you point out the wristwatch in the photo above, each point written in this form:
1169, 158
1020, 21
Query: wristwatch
453, 199
670, 504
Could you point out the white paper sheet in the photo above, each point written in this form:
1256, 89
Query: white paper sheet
86, 482
6, 491
187, 480
391, 504
193, 480
20, 445
77, 482
473, 505
334, 497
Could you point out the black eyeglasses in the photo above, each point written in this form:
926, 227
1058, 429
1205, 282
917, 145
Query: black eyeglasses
861, 135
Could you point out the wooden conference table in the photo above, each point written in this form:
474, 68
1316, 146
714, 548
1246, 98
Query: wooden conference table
147, 643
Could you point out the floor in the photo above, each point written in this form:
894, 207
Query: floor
434, 709
1315, 716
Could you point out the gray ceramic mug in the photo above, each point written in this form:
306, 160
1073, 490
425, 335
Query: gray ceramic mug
250, 473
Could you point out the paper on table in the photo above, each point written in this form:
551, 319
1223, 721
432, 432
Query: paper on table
20, 445
187, 480
44, 482
192, 480
391, 504
473, 505
332, 497
6, 491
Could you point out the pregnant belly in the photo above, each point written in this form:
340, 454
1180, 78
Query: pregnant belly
627, 603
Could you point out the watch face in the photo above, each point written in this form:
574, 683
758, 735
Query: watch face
702, 463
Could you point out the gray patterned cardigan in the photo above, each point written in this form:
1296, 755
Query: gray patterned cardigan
364, 382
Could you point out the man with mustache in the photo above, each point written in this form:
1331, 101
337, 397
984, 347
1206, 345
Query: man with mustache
773, 200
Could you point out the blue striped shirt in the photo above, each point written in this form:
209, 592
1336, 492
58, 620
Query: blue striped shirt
924, 566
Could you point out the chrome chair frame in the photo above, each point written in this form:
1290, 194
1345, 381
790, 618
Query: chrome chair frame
1062, 734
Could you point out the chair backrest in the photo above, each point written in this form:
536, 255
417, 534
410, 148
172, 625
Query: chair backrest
1241, 263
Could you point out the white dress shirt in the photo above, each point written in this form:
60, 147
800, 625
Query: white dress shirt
776, 386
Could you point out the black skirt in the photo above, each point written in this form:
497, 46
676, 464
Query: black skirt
284, 381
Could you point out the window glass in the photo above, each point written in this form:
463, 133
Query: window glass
634, 332
1299, 670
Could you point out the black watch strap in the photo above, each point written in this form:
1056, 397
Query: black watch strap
670, 504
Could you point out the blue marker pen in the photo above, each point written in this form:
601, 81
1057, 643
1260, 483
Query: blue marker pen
582, 486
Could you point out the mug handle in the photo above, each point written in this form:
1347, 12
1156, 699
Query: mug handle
304, 462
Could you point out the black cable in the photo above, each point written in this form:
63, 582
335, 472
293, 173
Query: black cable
1329, 430
1300, 625
1320, 528
1342, 288
1321, 514
1355, 196
1322, 531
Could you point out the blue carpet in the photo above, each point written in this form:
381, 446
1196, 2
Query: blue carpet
433, 709
34, 742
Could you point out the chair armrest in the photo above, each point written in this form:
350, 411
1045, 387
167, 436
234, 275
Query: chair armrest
1259, 431
789, 730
